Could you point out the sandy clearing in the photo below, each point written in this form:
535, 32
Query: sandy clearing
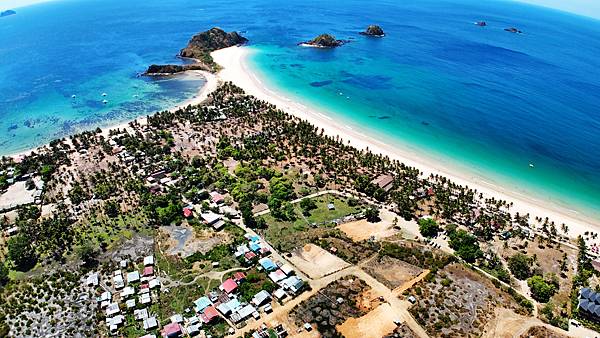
374, 324
315, 262
362, 229
16, 194
508, 324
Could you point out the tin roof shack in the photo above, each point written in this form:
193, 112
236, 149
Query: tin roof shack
385, 182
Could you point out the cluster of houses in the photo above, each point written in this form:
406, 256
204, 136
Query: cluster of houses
266, 332
224, 302
131, 294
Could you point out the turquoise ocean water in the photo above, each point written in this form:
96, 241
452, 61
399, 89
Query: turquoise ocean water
484, 99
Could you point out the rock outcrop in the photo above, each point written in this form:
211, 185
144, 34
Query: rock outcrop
373, 30
513, 30
199, 49
323, 41
206, 42
156, 70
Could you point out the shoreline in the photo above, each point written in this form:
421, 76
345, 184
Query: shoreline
211, 84
233, 60
235, 68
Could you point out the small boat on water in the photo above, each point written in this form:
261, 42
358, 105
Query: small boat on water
531, 165
104, 94
481, 23
105, 101
73, 96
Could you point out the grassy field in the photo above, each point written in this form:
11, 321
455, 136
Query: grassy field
112, 231
286, 235
181, 297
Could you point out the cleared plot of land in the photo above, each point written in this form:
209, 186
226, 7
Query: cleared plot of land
508, 324
16, 194
374, 324
184, 240
316, 262
362, 229
391, 271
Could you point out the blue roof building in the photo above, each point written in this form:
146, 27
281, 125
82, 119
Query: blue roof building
202, 303
589, 303
267, 264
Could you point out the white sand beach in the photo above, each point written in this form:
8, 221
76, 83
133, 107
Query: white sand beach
236, 70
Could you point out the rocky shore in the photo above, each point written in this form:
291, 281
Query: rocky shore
199, 48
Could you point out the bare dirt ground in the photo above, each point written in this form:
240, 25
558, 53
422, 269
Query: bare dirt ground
16, 194
391, 271
184, 241
374, 324
362, 229
316, 262
508, 324
137, 246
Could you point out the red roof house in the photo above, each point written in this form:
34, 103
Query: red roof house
239, 276
250, 255
215, 197
171, 330
187, 212
228, 286
148, 271
209, 314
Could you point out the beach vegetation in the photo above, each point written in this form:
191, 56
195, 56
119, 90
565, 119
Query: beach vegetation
465, 245
521, 266
542, 289
428, 227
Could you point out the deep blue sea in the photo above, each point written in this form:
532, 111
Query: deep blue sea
485, 99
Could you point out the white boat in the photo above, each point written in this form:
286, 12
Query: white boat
104, 94
73, 96
531, 165
105, 101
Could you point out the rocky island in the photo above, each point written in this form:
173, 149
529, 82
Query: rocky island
513, 30
323, 41
373, 30
7, 13
199, 48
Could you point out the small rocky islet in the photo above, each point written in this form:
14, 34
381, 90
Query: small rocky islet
323, 41
199, 48
373, 30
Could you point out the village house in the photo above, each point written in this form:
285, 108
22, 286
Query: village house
385, 182
171, 330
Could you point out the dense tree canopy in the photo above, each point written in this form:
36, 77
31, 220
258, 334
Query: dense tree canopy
428, 227
465, 245
520, 265
21, 252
